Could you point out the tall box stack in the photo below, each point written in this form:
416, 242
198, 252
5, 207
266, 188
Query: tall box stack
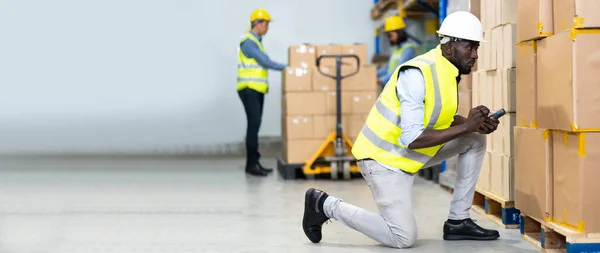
533, 146
309, 97
558, 148
494, 87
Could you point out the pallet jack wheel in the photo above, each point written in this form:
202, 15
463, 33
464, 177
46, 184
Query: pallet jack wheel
334, 171
346, 171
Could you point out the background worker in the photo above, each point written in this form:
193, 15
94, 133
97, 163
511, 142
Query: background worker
402, 49
414, 125
252, 85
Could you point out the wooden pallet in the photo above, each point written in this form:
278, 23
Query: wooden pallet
502, 212
551, 237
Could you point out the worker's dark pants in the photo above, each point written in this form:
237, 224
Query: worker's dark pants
253, 105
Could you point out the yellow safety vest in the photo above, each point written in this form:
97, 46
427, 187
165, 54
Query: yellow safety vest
251, 74
379, 138
396, 56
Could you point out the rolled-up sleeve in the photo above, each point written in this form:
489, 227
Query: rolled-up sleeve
411, 93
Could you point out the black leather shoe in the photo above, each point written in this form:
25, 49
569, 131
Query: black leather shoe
269, 170
256, 171
314, 216
468, 230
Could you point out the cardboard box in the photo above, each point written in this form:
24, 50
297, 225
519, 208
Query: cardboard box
568, 81
575, 14
303, 103
466, 82
487, 50
320, 80
501, 179
498, 87
297, 79
576, 157
534, 19
303, 56
509, 38
526, 84
298, 127
353, 124
329, 49
324, 125
359, 50
488, 15
477, 76
475, 8
486, 89
506, 12
505, 90
464, 102
483, 182
503, 137
298, 151
353, 102
533, 172
496, 53
364, 80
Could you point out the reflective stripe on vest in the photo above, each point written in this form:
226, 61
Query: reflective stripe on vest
397, 56
251, 74
379, 138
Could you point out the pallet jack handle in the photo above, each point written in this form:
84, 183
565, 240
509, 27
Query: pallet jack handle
338, 78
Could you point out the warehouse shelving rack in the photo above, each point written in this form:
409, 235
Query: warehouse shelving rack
408, 9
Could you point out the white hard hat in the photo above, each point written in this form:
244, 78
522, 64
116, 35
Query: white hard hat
462, 25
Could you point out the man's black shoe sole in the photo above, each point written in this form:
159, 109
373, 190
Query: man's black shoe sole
472, 238
306, 209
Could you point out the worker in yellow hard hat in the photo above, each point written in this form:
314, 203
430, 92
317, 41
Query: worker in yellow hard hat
253, 84
402, 49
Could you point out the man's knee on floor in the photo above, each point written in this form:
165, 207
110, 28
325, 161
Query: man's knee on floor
404, 240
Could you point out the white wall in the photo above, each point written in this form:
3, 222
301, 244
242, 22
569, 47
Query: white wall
145, 74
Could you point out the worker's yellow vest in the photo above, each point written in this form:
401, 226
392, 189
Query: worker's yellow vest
379, 138
251, 74
397, 53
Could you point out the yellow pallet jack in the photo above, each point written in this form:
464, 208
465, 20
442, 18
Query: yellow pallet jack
333, 158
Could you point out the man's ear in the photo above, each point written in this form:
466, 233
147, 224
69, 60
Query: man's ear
448, 48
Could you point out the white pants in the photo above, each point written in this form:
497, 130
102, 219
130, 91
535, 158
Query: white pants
395, 224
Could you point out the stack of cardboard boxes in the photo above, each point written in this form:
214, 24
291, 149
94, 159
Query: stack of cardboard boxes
494, 87
465, 98
557, 149
309, 97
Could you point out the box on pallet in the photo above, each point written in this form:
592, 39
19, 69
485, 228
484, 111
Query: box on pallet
483, 182
364, 80
534, 19
501, 176
498, 12
568, 81
575, 164
533, 172
503, 140
302, 56
526, 84
575, 14
309, 102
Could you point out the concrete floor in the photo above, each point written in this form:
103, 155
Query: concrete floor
191, 205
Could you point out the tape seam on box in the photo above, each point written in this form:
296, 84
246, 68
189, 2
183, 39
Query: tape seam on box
578, 22
580, 227
574, 32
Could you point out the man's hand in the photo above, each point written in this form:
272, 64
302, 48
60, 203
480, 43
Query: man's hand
477, 118
489, 126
